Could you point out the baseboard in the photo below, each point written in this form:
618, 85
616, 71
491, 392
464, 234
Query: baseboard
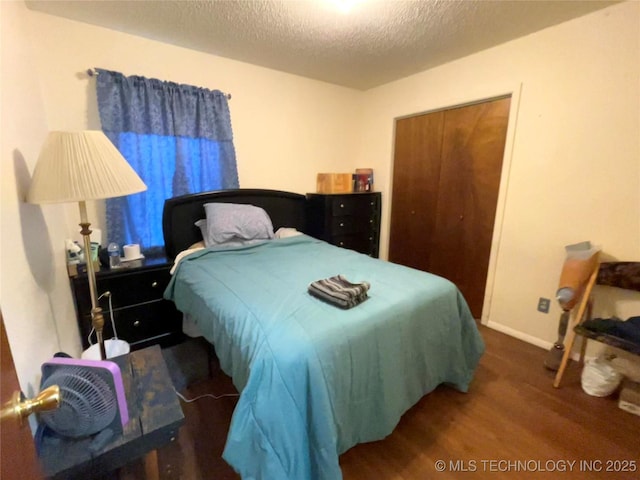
526, 338
519, 335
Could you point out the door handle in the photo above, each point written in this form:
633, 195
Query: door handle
20, 408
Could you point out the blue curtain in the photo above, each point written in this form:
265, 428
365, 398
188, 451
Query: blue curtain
177, 138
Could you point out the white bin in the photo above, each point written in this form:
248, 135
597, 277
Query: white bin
599, 377
113, 348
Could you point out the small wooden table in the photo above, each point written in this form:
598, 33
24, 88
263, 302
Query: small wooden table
155, 417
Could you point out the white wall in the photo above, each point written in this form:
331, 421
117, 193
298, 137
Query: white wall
286, 130
285, 126
572, 167
34, 289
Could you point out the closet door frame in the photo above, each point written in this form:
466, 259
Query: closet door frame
470, 98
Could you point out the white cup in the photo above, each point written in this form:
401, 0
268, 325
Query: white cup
132, 251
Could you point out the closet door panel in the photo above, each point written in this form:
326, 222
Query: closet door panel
472, 152
415, 189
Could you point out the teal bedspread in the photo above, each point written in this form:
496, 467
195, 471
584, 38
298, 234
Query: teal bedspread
316, 380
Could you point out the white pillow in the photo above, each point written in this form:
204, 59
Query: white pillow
284, 232
193, 248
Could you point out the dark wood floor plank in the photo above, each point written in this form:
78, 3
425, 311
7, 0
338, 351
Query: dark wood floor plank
511, 413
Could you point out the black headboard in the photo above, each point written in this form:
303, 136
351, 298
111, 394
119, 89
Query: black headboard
286, 209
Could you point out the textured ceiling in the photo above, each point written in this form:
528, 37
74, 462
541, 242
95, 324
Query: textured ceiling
375, 42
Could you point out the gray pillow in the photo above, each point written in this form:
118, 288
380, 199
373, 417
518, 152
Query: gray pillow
232, 222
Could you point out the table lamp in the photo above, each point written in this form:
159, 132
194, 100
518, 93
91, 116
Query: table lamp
76, 167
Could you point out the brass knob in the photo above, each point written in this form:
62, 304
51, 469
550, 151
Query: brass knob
20, 408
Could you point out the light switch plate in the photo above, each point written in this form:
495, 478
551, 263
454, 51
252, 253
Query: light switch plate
543, 305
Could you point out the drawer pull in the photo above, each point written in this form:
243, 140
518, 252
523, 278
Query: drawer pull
342, 224
341, 244
154, 284
372, 204
136, 323
370, 221
342, 205
371, 239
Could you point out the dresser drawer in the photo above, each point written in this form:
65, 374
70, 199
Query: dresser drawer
359, 243
127, 288
354, 205
135, 287
352, 224
147, 322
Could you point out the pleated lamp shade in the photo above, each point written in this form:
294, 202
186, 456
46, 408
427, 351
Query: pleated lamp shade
78, 166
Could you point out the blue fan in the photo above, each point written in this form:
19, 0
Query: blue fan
92, 398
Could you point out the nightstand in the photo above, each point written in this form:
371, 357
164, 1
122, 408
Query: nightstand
142, 317
348, 220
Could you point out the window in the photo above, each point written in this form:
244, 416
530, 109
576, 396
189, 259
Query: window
178, 138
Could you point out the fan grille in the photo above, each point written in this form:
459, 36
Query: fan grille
87, 401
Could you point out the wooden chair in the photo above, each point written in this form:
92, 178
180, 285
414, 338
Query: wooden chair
625, 275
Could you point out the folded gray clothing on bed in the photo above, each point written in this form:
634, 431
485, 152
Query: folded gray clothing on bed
339, 291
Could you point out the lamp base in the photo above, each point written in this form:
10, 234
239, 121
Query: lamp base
97, 320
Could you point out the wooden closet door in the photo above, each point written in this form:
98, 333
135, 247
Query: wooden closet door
471, 164
447, 168
415, 189
19, 459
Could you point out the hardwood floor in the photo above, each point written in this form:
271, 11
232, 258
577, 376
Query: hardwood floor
511, 424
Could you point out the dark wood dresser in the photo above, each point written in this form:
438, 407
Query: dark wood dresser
142, 317
349, 220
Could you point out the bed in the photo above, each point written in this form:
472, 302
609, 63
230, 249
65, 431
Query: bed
314, 379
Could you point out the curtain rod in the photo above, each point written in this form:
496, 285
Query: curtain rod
92, 72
